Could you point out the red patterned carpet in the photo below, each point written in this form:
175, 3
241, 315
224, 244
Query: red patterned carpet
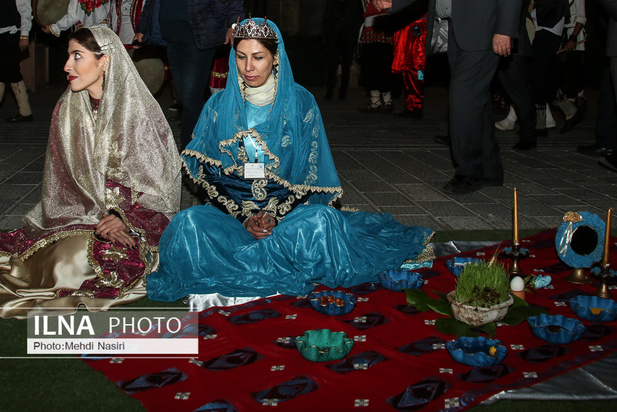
248, 360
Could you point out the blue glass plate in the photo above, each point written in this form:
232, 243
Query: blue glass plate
324, 345
332, 302
478, 351
397, 280
457, 264
555, 328
594, 308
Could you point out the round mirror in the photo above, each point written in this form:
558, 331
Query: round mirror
580, 239
584, 240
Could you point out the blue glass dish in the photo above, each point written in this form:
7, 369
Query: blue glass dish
457, 264
397, 280
322, 345
594, 308
478, 351
332, 302
555, 328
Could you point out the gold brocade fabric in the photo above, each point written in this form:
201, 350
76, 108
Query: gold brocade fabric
29, 287
128, 141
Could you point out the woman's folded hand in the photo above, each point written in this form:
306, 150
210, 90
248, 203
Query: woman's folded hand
260, 225
112, 228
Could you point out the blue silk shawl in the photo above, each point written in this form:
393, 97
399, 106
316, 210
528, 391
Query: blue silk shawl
298, 164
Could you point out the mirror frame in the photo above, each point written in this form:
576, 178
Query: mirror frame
569, 256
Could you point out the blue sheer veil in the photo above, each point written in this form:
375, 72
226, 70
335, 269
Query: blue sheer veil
297, 156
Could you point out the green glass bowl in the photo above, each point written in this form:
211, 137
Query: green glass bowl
322, 345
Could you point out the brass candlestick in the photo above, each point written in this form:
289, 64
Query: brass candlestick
605, 268
603, 273
516, 253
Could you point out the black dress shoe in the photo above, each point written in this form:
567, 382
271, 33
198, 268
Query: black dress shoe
610, 162
19, 118
460, 185
524, 145
594, 150
442, 139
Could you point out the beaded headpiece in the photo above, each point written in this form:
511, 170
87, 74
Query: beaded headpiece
251, 30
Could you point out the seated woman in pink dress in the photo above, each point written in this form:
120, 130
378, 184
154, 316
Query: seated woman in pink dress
110, 186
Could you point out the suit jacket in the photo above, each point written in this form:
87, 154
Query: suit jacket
611, 39
474, 21
209, 20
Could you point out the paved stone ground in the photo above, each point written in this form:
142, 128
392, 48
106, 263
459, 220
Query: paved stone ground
386, 164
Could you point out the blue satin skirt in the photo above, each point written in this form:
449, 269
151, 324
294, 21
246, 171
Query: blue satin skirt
204, 250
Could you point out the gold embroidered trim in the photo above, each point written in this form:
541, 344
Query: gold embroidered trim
51, 239
258, 189
427, 254
5, 254
297, 189
243, 134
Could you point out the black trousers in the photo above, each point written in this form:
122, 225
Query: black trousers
475, 149
376, 66
9, 60
606, 122
340, 51
545, 45
514, 74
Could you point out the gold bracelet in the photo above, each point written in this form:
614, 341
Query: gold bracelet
24, 37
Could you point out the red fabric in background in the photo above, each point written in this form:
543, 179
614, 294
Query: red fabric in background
248, 361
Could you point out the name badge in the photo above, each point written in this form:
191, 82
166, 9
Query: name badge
254, 171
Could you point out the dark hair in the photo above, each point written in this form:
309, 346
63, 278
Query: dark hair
270, 44
85, 37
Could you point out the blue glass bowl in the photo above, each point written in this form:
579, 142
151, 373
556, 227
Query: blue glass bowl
478, 351
324, 345
555, 328
594, 308
332, 302
397, 280
457, 264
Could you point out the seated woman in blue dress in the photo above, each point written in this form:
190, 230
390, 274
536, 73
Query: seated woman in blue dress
261, 154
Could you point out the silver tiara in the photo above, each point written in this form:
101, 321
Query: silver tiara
251, 30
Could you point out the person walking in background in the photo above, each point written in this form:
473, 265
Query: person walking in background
342, 20
410, 60
191, 30
610, 161
82, 14
549, 17
376, 50
571, 61
124, 16
479, 32
15, 25
514, 73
